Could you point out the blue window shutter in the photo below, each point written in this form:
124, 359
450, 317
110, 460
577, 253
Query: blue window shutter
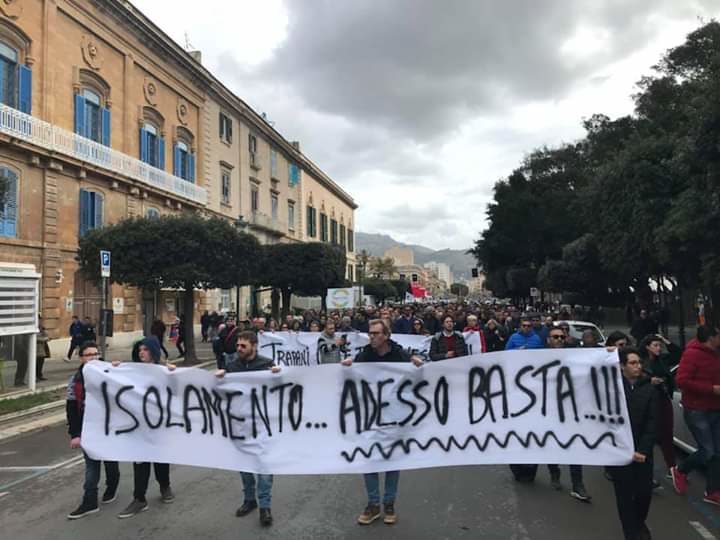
143, 145
97, 210
106, 125
191, 167
79, 115
176, 160
161, 153
25, 89
84, 211
8, 218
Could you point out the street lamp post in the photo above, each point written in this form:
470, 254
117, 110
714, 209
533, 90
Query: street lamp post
240, 225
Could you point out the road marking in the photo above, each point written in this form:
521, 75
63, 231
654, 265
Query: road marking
39, 471
74, 464
72, 460
22, 469
4, 493
702, 531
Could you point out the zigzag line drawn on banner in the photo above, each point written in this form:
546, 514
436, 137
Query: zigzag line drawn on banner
452, 442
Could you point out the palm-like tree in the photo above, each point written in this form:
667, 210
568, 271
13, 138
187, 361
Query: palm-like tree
383, 267
363, 259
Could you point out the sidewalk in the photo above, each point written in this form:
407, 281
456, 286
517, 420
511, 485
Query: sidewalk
57, 371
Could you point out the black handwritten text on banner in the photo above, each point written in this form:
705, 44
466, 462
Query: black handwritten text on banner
509, 407
301, 348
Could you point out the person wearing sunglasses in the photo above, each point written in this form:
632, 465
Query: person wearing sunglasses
524, 338
557, 339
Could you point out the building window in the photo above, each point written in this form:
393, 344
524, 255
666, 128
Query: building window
342, 235
351, 240
152, 146
225, 128
254, 198
152, 213
183, 162
15, 80
350, 273
293, 175
273, 164
291, 216
8, 207
323, 227
274, 205
333, 231
226, 300
225, 186
311, 222
252, 148
91, 211
92, 120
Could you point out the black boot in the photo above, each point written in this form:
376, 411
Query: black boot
266, 518
246, 508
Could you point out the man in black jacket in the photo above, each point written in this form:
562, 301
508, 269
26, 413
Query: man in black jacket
75, 409
381, 349
633, 482
248, 359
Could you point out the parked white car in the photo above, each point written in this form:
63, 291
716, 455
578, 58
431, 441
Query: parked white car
682, 437
578, 327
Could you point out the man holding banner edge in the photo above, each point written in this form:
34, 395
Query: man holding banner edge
248, 359
381, 349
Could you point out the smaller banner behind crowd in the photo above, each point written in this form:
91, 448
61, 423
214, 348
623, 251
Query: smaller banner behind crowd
545, 406
301, 348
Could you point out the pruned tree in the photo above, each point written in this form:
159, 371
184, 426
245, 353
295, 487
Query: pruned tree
308, 269
380, 289
185, 252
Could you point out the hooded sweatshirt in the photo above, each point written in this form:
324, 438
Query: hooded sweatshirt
699, 371
153, 345
328, 350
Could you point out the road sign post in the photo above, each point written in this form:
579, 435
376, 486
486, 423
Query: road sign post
105, 274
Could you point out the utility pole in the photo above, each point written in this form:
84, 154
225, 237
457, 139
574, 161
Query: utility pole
103, 323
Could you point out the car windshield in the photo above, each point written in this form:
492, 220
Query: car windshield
580, 328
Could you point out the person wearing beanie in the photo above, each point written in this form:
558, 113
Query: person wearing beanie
148, 351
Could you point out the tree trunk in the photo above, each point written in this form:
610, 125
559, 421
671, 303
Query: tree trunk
286, 296
681, 315
275, 303
189, 313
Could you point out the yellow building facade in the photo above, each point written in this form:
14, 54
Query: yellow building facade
103, 117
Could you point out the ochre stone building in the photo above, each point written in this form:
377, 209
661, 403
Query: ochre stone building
103, 117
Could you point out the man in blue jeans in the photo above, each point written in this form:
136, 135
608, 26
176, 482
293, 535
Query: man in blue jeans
699, 378
75, 409
381, 349
259, 490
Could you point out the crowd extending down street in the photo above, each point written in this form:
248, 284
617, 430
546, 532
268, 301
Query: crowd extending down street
647, 365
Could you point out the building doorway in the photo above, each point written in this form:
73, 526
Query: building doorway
87, 298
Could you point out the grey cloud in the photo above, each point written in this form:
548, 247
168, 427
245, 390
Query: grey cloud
419, 67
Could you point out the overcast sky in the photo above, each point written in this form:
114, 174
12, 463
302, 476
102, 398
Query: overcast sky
417, 107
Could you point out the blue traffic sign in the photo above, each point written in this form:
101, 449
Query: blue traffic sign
105, 263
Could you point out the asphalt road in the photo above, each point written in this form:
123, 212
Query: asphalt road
41, 481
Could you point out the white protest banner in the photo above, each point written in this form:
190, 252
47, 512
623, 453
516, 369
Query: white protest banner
544, 406
301, 348
340, 298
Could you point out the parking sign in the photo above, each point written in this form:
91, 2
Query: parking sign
105, 264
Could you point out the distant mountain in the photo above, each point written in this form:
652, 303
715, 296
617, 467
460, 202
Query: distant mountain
377, 244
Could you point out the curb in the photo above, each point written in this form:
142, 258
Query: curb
49, 420
23, 393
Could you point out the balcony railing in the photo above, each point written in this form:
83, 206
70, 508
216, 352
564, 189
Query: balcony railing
40, 133
263, 221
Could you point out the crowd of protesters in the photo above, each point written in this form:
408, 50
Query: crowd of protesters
648, 363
